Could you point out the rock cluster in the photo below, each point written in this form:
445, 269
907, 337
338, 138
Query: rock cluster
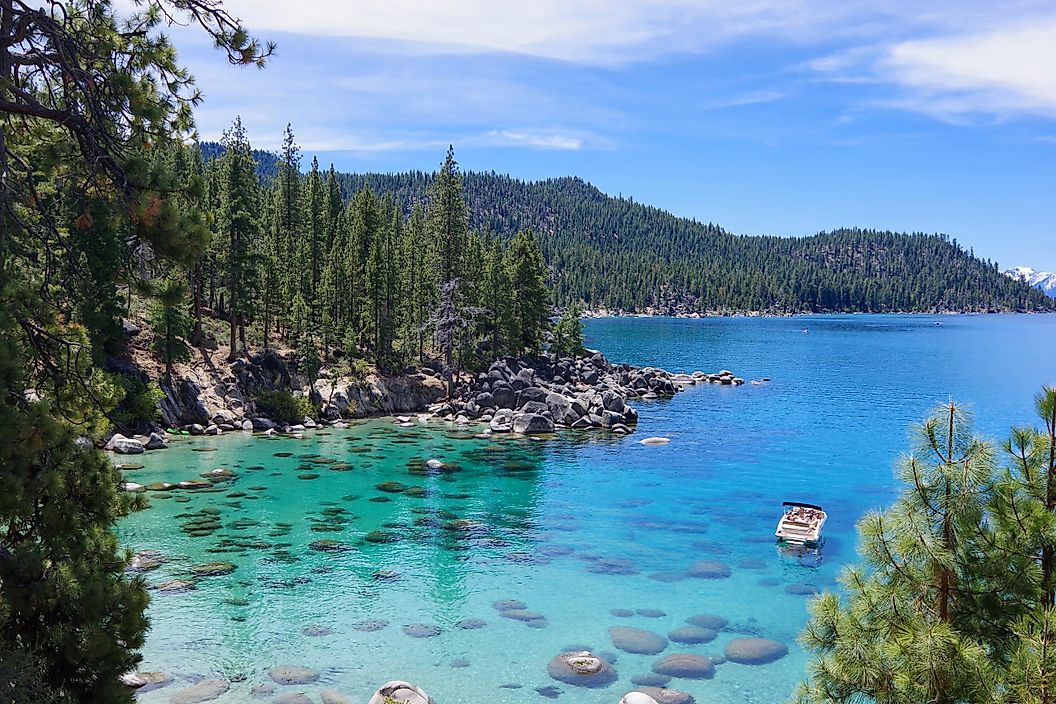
533, 394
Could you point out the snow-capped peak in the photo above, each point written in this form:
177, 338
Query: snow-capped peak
1046, 281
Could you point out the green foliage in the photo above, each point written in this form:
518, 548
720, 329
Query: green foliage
140, 403
531, 304
63, 594
283, 406
22, 679
568, 333
171, 324
953, 601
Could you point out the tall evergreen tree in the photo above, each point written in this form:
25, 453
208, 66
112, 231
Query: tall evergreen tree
448, 219
241, 230
66, 604
531, 305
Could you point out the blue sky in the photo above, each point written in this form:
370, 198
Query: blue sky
767, 117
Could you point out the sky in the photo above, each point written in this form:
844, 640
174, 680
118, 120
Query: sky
767, 117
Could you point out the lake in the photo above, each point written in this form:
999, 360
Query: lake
365, 583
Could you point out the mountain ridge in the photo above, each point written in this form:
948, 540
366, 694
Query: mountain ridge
614, 253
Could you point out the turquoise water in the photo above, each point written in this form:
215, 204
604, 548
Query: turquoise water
575, 526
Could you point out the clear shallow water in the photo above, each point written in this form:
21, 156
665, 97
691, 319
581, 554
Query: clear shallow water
575, 526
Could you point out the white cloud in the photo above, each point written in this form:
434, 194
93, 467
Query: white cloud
536, 139
1003, 71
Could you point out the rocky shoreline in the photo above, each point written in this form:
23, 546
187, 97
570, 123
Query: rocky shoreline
526, 395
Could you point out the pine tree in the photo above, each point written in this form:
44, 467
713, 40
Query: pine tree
496, 300
241, 229
66, 606
568, 334
448, 219
530, 296
288, 232
316, 219
909, 629
170, 323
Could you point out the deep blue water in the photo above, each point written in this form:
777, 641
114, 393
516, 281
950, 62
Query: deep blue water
578, 525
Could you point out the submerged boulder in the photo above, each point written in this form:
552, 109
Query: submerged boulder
755, 651
292, 674
582, 669
201, 692
685, 666
637, 640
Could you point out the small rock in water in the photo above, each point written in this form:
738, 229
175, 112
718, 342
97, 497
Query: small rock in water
315, 631
708, 569
370, 626
201, 692
650, 679
293, 674
685, 666
332, 696
755, 651
550, 692
651, 613
470, 624
802, 589
692, 635
421, 630
637, 640
509, 605
459, 663
622, 613
716, 623
655, 441
292, 698
146, 681
582, 669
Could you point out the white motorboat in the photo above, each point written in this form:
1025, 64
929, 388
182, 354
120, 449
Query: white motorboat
801, 524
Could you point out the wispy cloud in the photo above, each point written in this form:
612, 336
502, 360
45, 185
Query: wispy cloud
750, 98
609, 32
1002, 72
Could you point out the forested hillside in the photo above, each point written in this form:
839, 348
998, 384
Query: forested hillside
617, 253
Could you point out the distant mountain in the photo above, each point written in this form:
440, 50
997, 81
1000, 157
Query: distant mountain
615, 253
267, 163
1042, 280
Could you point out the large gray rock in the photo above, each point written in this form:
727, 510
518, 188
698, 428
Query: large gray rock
561, 409
612, 401
261, 423
532, 424
502, 421
155, 442
504, 397
124, 446
401, 692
